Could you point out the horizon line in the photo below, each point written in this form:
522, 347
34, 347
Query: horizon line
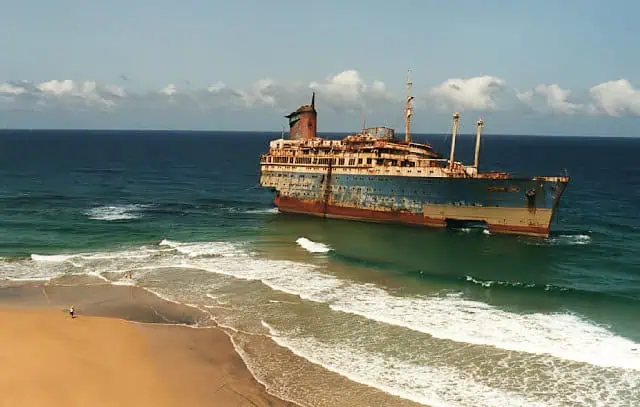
23, 129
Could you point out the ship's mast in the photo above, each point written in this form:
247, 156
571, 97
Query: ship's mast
454, 132
479, 125
407, 108
364, 121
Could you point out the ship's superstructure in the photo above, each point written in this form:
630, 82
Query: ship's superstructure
372, 176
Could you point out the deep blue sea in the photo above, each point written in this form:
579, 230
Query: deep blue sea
328, 312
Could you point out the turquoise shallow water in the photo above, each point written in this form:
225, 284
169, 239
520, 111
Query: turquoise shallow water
452, 318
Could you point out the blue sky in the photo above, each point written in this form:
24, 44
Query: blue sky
551, 67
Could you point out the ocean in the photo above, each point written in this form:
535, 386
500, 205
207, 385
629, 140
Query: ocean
329, 312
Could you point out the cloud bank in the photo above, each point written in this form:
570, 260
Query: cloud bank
346, 92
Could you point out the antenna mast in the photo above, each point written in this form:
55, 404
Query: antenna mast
407, 118
364, 121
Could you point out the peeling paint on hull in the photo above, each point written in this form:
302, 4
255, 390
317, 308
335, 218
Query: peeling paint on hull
501, 205
494, 225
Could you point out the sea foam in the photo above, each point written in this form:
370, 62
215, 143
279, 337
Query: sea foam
313, 247
434, 386
116, 212
449, 316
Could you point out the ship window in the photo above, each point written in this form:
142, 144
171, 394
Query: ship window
368, 160
359, 160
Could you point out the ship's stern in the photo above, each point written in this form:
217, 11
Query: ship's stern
267, 178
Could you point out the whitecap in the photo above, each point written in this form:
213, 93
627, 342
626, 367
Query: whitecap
313, 247
116, 212
263, 211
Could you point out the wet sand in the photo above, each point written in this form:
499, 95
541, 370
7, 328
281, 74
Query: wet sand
124, 348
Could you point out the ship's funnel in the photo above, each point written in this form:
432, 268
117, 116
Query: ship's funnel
302, 122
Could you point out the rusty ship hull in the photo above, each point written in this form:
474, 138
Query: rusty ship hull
500, 205
372, 176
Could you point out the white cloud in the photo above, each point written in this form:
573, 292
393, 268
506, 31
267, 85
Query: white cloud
557, 98
69, 92
115, 90
525, 97
379, 87
216, 87
346, 86
8, 88
549, 98
57, 87
476, 93
169, 90
616, 98
349, 90
263, 93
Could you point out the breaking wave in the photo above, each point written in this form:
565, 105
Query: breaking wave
561, 335
561, 239
433, 386
449, 316
204, 249
263, 211
516, 284
116, 212
55, 258
311, 246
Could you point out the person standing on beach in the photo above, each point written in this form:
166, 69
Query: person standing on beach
72, 312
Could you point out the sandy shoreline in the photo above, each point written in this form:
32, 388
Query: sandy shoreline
103, 359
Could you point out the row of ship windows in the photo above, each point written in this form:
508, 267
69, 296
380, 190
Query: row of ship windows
325, 161
355, 179
388, 199
320, 161
298, 175
341, 188
367, 189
